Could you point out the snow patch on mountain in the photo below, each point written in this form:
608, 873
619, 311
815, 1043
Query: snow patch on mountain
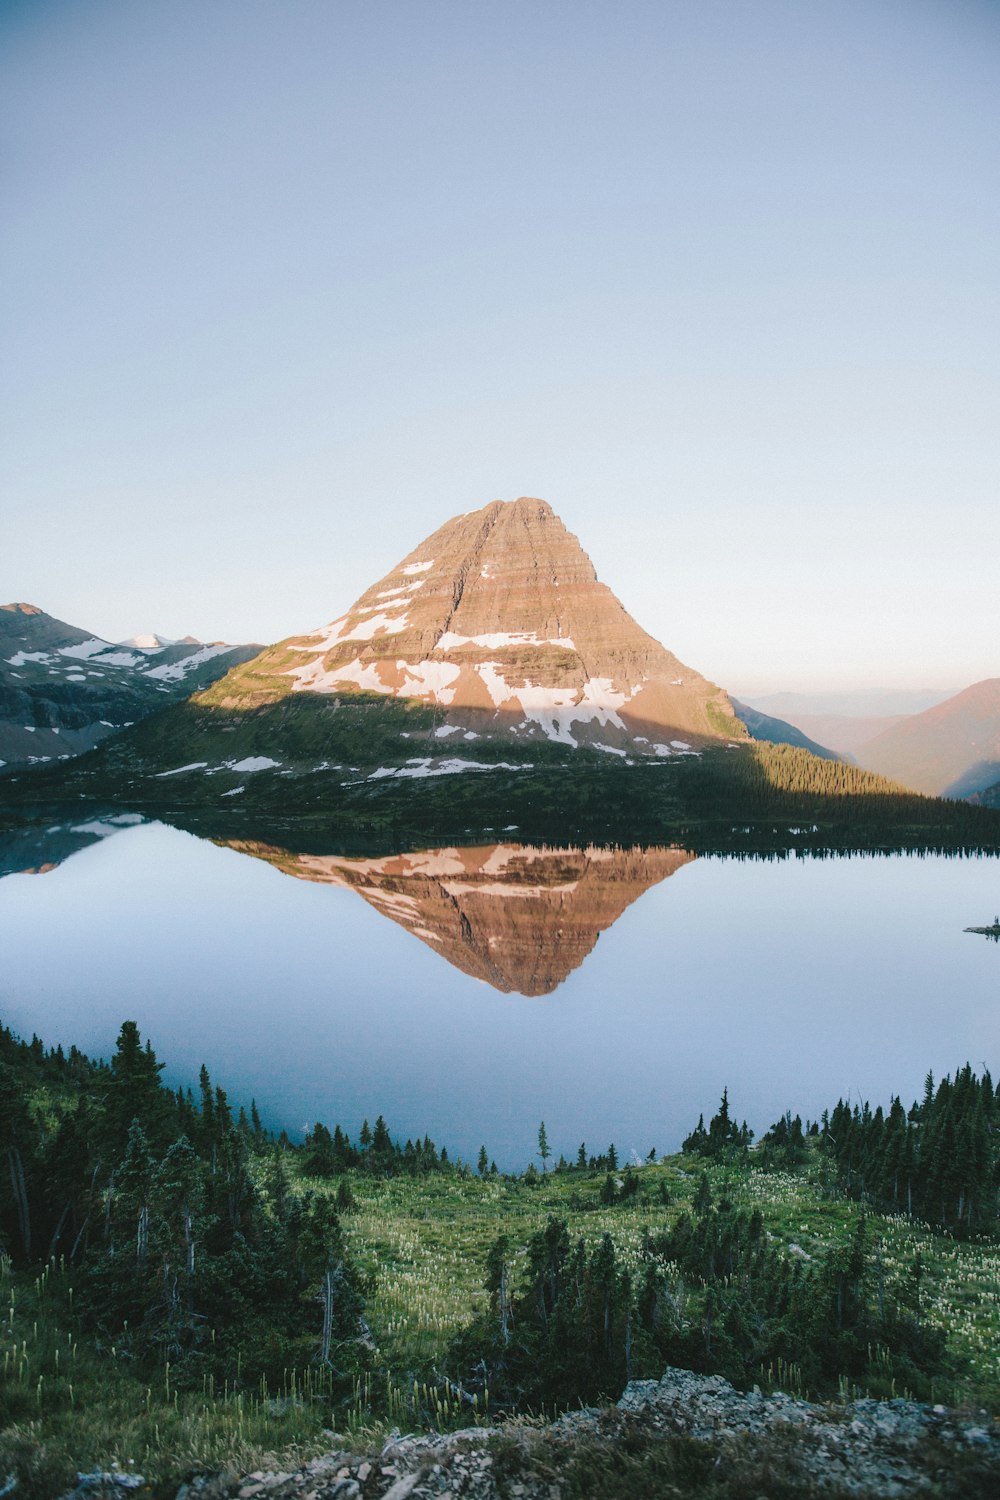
555, 709
178, 670
86, 649
417, 768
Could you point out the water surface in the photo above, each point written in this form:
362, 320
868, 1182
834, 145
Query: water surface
337, 989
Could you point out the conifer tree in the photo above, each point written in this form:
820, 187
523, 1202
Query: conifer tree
543, 1145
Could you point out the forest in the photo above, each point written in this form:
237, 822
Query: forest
187, 1250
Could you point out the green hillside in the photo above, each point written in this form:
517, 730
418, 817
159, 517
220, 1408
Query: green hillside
270, 1254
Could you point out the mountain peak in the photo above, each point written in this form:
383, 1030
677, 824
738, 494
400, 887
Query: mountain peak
499, 623
22, 609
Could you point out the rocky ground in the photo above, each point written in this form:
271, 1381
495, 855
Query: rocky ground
686, 1435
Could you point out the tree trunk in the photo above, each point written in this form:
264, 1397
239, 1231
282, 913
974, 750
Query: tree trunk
16, 1166
327, 1317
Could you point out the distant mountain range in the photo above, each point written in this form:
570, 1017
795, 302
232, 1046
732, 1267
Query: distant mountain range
950, 750
945, 745
63, 690
858, 703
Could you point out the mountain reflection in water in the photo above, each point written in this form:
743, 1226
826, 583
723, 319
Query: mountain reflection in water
518, 917
788, 977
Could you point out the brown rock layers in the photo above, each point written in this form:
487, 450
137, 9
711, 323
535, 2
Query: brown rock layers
518, 917
499, 622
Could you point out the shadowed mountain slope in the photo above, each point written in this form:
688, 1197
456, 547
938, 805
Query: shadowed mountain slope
63, 690
779, 731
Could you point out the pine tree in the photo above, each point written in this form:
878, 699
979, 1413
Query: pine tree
543, 1145
132, 1091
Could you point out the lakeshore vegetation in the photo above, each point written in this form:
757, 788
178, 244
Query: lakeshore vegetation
181, 1291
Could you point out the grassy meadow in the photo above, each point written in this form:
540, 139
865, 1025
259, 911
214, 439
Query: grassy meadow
71, 1401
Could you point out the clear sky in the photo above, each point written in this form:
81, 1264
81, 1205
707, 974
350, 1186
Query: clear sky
284, 284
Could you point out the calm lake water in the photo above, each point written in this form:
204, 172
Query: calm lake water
471, 994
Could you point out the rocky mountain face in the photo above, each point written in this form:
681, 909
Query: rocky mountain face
950, 750
63, 690
498, 625
518, 917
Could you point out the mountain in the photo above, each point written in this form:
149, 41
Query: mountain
988, 797
778, 731
950, 750
495, 631
63, 690
519, 918
857, 703
844, 721
499, 624
844, 733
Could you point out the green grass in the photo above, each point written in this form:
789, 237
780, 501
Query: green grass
69, 1400
425, 1244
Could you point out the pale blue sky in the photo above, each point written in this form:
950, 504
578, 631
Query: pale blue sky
285, 284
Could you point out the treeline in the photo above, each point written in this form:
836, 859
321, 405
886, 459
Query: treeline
765, 781
939, 1160
330, 1154
187, 1243
568, 1324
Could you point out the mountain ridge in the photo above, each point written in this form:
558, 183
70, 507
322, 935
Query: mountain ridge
950, 750
63, 690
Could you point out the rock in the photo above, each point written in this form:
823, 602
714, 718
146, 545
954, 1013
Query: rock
874, 1450
498, 620
402, 1487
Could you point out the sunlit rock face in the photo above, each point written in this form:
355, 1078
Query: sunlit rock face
520, 918
498, 622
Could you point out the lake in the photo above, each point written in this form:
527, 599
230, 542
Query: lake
469, 994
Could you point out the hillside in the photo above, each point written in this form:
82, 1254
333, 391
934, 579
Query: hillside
63, 690
759, 1266
950, 750
780, 731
